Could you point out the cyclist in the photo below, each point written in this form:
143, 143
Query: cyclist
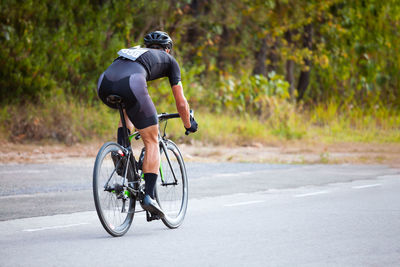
127, 77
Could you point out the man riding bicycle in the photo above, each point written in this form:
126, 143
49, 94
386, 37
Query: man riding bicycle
127, 76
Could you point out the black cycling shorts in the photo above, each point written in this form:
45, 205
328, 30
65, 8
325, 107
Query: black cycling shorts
128, 80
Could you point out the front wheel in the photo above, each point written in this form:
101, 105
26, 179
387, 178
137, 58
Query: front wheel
172, 185
115, 205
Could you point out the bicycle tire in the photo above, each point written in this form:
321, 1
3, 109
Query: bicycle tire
172, 197
108, 202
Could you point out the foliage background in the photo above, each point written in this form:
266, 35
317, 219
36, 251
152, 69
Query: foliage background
297, 68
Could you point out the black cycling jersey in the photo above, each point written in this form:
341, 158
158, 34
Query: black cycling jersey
127, 77
159, 63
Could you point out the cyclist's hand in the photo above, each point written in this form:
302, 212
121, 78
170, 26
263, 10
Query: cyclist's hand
193, 126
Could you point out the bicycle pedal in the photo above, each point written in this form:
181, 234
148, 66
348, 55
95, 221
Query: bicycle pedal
151, 217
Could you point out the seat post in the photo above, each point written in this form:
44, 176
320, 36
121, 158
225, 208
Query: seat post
125, 142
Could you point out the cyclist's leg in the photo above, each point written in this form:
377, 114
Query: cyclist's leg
151, 161
151, 164
144, 116
128, 122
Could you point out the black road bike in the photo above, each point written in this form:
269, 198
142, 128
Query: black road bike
118, 181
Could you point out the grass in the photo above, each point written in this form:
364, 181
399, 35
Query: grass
376, 125
56, 120
62, 120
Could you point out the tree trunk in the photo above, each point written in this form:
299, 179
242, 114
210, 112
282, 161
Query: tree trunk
290, 66
225, 39
272, 54
290, 76
267, 51
261, 56
193, 32
304, 78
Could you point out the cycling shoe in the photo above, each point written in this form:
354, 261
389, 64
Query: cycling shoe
152, 206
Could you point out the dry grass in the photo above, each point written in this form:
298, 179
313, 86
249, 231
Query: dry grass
62, 129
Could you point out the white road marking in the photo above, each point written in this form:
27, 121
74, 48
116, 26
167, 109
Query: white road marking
246, 173
244, 203
54, 227
312, 194
233, 174
227, 175
366, 186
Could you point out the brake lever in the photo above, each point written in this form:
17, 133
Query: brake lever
191, 115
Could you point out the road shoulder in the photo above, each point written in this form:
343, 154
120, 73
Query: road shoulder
291, 152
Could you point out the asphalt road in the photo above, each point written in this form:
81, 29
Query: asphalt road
238, 214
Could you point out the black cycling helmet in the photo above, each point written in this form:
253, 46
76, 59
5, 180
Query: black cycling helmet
158, 38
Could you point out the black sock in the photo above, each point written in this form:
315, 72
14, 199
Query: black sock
120, 135
150, 179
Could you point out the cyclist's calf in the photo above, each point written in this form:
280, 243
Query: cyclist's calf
151, 162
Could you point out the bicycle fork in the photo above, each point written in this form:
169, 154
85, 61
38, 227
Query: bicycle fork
163, 183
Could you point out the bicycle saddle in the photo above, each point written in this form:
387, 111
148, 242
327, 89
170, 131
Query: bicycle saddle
114, 99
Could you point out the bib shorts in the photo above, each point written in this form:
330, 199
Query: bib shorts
127, 79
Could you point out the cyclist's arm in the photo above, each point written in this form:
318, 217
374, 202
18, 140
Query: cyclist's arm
181, 104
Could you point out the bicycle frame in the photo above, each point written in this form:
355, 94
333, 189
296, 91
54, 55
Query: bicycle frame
170, 165
136, 135
127, 145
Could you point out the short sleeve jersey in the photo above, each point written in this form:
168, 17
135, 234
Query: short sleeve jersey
158, 64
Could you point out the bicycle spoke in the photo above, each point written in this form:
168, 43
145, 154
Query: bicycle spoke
172, 188
108, 188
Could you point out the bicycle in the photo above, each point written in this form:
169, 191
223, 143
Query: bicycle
118, 182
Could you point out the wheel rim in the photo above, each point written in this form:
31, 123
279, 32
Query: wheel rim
170, 196
109, 202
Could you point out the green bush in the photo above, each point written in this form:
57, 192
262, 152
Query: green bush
52, 53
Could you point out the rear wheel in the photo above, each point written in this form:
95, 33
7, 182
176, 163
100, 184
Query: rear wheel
172, 185
115, 205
